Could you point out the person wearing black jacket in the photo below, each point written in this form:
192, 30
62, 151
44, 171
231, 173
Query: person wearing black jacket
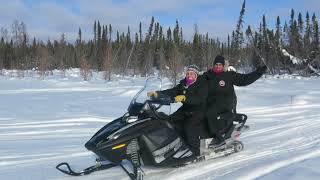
222, 100
192, 93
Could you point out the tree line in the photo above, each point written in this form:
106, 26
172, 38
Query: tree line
291, 47
167, 50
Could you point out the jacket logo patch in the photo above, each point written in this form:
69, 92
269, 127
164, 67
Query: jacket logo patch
222, 83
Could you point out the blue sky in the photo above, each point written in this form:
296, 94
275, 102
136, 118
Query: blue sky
48, 19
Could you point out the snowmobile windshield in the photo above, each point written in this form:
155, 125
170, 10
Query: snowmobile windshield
152, 84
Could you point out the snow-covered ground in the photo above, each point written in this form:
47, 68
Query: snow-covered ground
45, 122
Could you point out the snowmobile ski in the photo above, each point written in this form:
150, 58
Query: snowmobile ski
85, 171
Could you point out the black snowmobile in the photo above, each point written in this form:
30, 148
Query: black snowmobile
144, 136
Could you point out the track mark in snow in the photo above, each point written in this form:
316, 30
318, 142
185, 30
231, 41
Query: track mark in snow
42, 134
43, 159
280, 114
235, 160
302, 123
277, 108
261, 171
78, 120
43, 126
63, 90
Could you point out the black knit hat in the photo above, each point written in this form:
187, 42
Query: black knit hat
219, 59
194, 68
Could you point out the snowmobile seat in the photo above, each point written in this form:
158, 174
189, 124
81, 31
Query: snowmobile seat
240, 119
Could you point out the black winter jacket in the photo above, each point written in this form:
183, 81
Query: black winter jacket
196, 94
221, 96
189, 118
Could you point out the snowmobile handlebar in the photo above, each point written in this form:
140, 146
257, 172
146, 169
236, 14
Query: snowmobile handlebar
152, 104
162, 100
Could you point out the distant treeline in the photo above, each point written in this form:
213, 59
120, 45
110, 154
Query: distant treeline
142, 52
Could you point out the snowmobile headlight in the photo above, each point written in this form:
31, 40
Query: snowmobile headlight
118, 146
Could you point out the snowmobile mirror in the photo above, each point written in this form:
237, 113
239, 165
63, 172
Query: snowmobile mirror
146, 107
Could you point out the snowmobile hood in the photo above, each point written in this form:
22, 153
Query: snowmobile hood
113, 131
104, 132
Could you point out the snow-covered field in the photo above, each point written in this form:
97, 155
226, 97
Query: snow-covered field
45, 122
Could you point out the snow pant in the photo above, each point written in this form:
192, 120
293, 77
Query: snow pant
219, 122
188, 125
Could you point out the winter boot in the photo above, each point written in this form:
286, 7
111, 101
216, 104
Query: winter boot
218, 142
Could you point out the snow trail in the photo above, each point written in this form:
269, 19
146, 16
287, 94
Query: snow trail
45, 122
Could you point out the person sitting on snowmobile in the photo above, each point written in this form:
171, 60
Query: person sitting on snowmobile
221, 101
192, 93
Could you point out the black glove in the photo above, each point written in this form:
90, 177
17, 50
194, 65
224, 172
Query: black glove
262, 69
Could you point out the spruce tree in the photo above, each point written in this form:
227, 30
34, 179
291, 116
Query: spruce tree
98, 32
150, 30
95, 32
228, 47
315, 37
278, 32
181, 35
103, 36
238, 37
140, 33
79, 39
169, 35
110, 33
286, 34
300, 24
106, 33
176, 38
307, 36
128, 36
